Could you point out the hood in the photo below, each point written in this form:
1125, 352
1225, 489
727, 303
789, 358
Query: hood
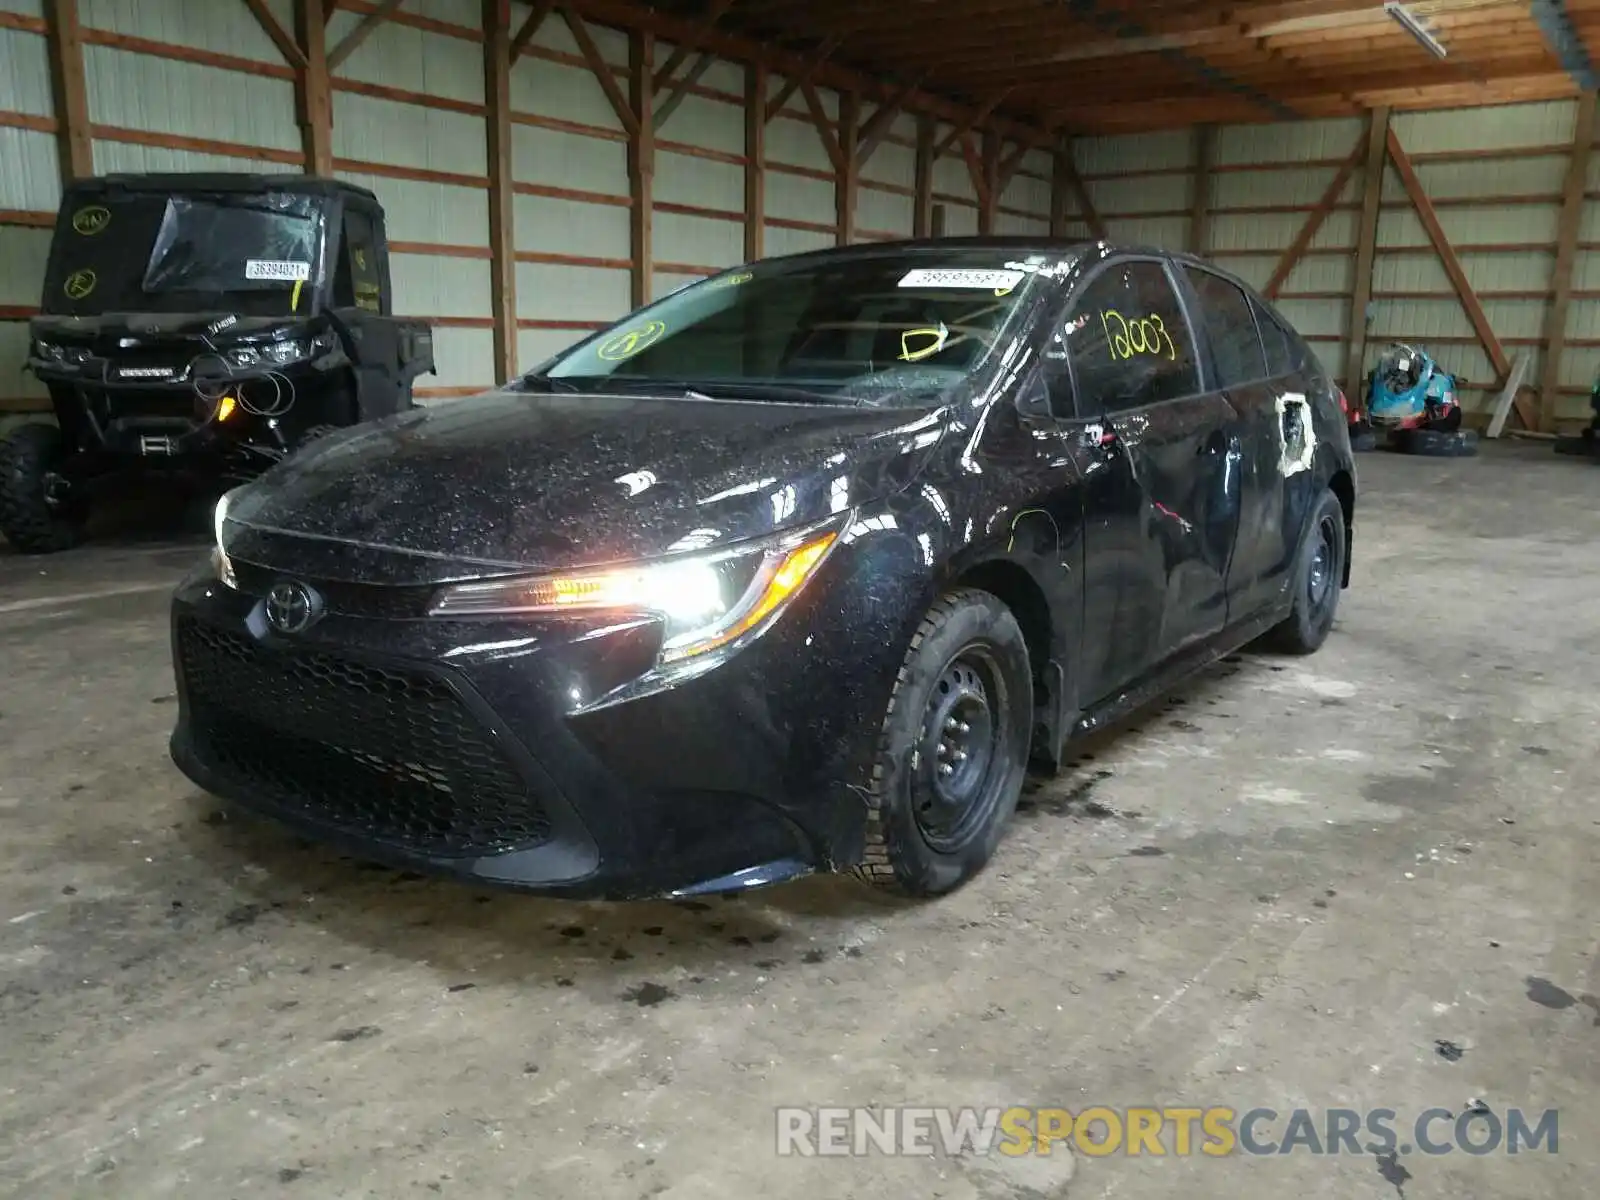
151, 329
517, 481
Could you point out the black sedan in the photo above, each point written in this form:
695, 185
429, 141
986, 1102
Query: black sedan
799, 568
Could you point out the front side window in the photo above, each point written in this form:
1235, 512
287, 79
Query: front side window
356, 282
874, 329
1279, 344
1128, 341
1231, 326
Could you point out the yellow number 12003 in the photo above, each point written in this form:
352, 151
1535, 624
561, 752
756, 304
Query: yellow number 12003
1142, 335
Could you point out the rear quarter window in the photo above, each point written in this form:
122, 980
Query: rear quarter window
1231, 325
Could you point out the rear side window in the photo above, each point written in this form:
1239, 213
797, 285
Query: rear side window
1279, 344
1128, 340
1226, 311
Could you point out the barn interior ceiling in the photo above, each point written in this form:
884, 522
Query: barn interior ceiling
1119, 65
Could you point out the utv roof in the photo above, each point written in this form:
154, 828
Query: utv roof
222, 181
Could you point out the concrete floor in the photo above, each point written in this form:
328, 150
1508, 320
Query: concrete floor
1283, 888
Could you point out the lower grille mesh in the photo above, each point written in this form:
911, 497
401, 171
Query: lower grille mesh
386, 754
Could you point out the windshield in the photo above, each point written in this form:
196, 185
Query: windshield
874, 329
257, 254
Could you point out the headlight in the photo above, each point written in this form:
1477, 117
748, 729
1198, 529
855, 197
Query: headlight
288, 351
220, 562
705, 601
244, 356
48, 350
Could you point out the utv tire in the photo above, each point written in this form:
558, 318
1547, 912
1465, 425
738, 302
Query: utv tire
1584, 444
1436, 443
1318, 578
953, 749
1362, 437
30, 519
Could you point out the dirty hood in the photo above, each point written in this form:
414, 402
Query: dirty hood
519, 481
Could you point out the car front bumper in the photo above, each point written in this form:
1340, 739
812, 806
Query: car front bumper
469, 748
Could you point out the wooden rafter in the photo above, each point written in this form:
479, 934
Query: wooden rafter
1458, 275
530, 27
973, 121
1366, 246
626, 114
281, 38
680, 53
351, 41
825, 131
798, 81
680, 89
1314, 221
1554, 342
877, 126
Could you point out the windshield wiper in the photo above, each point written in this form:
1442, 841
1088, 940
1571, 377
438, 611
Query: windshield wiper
731, 389
547, 384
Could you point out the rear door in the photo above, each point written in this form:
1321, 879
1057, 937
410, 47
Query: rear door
1158, 518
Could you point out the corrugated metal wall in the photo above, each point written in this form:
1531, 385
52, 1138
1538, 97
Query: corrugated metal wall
1493, 175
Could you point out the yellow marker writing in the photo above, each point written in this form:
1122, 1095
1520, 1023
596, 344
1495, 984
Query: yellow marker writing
294, 300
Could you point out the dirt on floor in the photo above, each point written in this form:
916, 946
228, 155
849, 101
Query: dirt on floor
1360, 881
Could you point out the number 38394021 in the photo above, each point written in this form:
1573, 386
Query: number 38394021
1137, 335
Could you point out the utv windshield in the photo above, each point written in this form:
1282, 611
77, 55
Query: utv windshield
875, 329
251, 253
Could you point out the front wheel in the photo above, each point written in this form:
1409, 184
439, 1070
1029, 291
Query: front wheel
953, 749
38, 512
1318, 578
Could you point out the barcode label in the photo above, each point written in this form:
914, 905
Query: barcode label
267, 268
956, 278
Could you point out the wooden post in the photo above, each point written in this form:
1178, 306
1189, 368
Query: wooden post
849, 170
1060, 192
64, 37
1554, 342
922, 212
936, 222
642, 163
502, 239
314, 109
989, 192
755, 162
1205, 143
1366, 247
1086, 209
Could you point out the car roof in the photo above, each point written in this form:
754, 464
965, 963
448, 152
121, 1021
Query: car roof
222, 181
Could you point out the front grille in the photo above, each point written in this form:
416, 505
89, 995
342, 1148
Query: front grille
386, 754
386, 602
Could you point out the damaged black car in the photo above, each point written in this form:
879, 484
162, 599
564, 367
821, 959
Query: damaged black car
801, 568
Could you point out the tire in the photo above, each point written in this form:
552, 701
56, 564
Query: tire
1318, 578
1362, 437
1584, 444
967, 669
1434, 443
30, 519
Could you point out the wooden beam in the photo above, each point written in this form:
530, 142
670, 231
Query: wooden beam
973, 121
1009, 166
1458, 275
755, 162
878, 125
628, 115
314, 108
502, 187
1296, 251
849, 170
1366, 248
64, 42
530, 27
989, 173
681, 52
351, 41
922, 201
1205, 142
281, 38
1097, 227
819, 118
1060, 190
680, 89
800, 79
641, 162
1554, 343
936, 223
972, 154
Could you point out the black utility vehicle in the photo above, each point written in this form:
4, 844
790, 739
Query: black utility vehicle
206, 325
789, 571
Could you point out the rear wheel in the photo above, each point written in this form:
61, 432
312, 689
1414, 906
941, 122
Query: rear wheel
953, 749
1436, 443
39, 512
1318, 578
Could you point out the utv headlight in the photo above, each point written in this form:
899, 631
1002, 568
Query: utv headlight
705, 601
244, 356
49, 350
288, 351
220, 562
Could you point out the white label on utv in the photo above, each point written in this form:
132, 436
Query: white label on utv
955, 278
267, 268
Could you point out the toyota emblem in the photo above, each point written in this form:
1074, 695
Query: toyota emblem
291, 607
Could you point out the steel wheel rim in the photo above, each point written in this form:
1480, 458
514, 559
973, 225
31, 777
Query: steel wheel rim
1324, 565
959, 750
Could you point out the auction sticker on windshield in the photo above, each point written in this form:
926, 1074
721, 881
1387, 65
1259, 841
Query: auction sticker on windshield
267, 268
976, 280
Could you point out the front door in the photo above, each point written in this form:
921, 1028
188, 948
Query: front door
1161, 509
